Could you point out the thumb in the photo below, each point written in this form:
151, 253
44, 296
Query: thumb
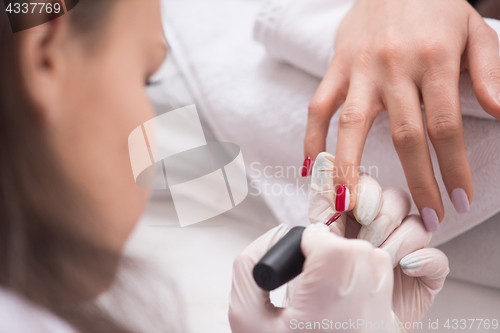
483, 61
429, 265
249, 305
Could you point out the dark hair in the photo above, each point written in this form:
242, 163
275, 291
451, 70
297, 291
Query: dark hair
43, 255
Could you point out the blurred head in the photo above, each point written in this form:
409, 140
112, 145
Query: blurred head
71, 91
86, 81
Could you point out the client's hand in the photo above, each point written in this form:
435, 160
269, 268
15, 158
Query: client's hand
419, 273
395, 55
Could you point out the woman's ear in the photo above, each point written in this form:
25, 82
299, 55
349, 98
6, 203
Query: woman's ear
43, 63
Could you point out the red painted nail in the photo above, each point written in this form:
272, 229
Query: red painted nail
306, 167
334, 218
342, 199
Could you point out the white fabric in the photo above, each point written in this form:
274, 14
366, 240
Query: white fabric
20, 315
261, 105
474, 255
302, 33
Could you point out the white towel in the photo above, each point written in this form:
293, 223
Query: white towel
261, 105
302, 33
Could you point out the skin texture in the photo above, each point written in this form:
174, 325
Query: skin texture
397, 55
90, 96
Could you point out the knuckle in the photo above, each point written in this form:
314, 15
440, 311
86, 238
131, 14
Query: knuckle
419, 188
391, 52
443, 128
489, 33
437, 75
456, 170
316, 107
341, 50
407, 136
391, 46
352, 117
432, 50
492, 73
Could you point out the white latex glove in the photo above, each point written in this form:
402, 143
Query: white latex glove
346, 283
419, 273
343, 282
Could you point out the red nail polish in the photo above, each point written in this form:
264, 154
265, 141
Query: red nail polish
306, 167
342, 198
334, 218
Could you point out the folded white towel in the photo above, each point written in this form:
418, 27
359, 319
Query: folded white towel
302, 33
261, 105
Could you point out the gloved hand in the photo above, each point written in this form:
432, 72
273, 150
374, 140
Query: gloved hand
419, 273
343, 283
346, 284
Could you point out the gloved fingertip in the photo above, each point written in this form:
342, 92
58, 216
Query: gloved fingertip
369, 200
413, 261
323, 162
330, 157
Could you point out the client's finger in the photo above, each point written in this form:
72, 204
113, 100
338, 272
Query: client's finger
410, 236
328, 98
396, 205
483, 62
408, 135
444, 125
359, 111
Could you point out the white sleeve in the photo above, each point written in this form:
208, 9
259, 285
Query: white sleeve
20, 315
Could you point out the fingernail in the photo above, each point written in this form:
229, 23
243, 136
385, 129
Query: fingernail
414, 260
342, 199
430, 219
334, 218
306, 167
319, 227
460, 200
